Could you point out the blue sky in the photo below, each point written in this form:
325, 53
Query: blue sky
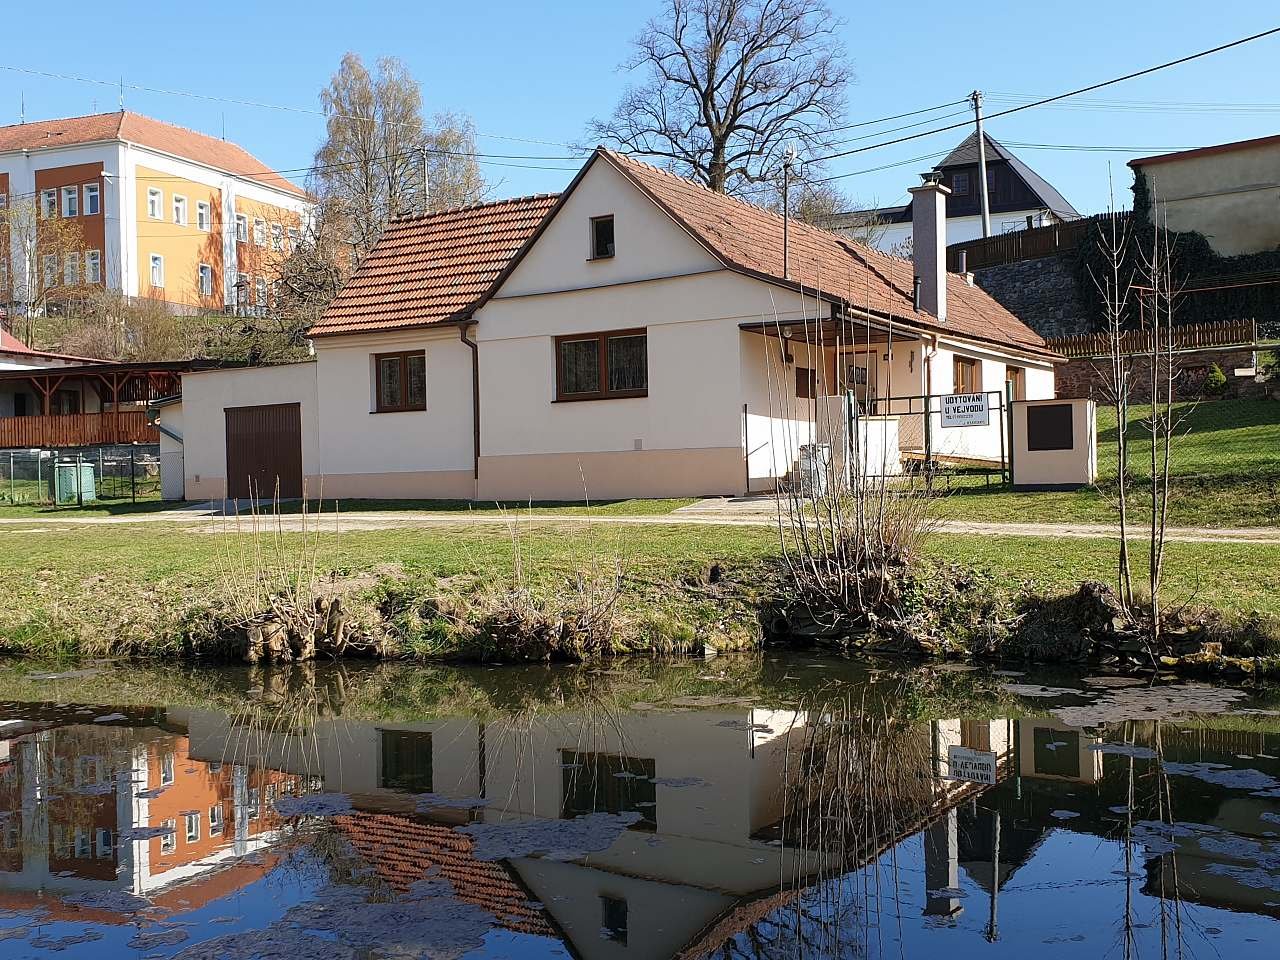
539, 71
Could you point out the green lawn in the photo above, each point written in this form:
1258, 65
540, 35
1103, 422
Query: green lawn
110, 579
1225, 464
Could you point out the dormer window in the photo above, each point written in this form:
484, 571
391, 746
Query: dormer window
601, 238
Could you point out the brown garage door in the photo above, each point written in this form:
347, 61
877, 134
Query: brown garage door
264, 447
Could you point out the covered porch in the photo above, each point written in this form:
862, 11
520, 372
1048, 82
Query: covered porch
86, 405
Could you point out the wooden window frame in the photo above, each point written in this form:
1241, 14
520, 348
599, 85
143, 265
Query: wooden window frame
602, 343
974, 364
403, 357
806, 383
1019, 380
592, 237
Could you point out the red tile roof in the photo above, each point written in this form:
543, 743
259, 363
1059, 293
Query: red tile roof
433, 267
748, 239
11, 344
146, 132
402, 850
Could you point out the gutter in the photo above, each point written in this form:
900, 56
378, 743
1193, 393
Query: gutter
475, 402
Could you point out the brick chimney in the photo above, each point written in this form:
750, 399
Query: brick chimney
929, 242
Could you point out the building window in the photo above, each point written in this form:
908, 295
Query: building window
155, 203
259, 231
242, 228
71, 270
169, 839
50, 261
613, 919
166, 769
92, 199
71, 201
84, 844
93, 266
608, 783
64, 403
1015, 379
406, 761
48, 203
180, 211
806, 383
968, 376
260, 291
598, 366
601, 238
401, 381
215, 821
206, 280
242, 288
960, 184
204, 219
277, 237
295, 238
255, 802
106, 843
193, 826
157, 270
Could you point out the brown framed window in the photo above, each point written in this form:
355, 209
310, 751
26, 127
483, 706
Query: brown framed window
968, 376
602, 238
400, 381
602, 366
1015, 379
806, 383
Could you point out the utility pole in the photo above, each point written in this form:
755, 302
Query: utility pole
976, 99
788, 159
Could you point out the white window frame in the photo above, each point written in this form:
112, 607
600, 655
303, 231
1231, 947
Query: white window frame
295, 238
93, 266
215, 820
169, 839
242, 228
83, 844
49, 263
260, 291
71, 270
205, 272
104, 842
168, 768
191, 823
92, 192
204, 216
70, 202
259, 232
180, 210
277, 238
48, 203
157, 261
155, 203
243, 283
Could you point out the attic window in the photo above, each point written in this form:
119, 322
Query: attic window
960, 184
601, 238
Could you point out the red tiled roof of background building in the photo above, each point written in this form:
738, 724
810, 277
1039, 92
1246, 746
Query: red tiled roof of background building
11, 344
433, 267
146, 132
402, 851
749, 239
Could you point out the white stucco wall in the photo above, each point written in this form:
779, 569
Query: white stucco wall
172, 476
892, 236
1231, 196
206, 395
414, 454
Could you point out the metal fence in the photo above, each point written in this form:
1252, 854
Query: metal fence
72, 478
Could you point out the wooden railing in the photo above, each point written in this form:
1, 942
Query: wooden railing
1193, 336
1023, 244
77, 429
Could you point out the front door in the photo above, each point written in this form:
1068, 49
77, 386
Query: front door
860, 380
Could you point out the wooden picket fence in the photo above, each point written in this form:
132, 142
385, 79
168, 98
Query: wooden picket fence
1193, 336
1029, 244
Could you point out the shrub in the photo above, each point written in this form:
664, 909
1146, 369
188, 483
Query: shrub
1215, 382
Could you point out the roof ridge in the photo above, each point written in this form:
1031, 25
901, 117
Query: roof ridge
467, 207
79, 116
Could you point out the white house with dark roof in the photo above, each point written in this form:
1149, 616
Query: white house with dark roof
1019, 198
636, 336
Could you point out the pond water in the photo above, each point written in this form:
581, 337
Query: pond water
784, 807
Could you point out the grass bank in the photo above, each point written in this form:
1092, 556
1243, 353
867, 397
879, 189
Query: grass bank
133, 589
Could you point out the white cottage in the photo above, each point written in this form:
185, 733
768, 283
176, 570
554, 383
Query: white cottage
635, 336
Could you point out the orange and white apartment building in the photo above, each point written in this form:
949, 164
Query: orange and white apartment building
163, 212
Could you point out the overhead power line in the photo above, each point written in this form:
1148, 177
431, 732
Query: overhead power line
1053, 99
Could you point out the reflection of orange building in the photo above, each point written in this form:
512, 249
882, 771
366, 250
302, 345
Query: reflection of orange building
163, 212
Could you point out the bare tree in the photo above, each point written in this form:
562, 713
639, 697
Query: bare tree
380, 159
732, 83
43, 259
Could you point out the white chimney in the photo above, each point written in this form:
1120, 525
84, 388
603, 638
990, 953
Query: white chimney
929, 242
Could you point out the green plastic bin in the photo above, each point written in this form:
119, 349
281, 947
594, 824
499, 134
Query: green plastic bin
63, 486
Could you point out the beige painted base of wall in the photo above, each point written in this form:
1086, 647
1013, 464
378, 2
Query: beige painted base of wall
403, 485
616, 475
